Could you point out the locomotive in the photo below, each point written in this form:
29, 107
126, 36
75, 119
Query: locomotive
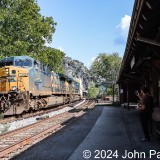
27, 84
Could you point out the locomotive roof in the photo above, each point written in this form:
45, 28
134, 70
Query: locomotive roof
13, 58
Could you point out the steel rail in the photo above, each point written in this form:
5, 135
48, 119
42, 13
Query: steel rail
39, 130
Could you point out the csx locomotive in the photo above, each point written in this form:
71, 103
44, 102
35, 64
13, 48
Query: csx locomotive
26, 84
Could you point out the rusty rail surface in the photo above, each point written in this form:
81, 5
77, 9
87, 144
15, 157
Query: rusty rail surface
27, 136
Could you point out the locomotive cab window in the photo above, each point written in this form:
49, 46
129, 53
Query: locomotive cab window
6, 63
19, 62
36, 65
48, 69
27, 62
43, 68
23, 62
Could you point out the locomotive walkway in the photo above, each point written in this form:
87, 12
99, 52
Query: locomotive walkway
107, 132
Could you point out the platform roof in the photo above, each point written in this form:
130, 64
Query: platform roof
143, 43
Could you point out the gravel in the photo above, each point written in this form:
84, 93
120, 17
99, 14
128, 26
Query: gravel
24, 122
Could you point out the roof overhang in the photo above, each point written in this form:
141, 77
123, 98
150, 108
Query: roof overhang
143, 42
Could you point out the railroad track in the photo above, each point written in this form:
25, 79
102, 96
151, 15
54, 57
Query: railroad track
13, 124
14, 142
37, 113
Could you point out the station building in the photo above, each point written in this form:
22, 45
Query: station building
141, 62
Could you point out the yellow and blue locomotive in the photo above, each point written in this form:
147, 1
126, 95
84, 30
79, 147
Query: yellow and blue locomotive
27, 84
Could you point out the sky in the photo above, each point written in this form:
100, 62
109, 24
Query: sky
86, 28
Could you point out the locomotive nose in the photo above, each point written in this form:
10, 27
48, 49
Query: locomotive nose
14, 84
13, 79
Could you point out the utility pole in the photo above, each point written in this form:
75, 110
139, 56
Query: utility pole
113, 92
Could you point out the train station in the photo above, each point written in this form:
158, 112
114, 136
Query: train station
104, 132
85, 128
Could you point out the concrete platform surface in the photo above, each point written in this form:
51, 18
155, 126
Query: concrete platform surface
103, 133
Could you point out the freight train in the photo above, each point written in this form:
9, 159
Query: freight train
27, 84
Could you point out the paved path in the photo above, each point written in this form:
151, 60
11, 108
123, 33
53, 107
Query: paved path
104, 131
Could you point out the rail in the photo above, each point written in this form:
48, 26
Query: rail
20, 139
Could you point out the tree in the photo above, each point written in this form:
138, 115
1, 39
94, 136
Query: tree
105, 70
105, 67
93, 91
52, 57
24, 31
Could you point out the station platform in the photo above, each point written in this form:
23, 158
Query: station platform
105, 132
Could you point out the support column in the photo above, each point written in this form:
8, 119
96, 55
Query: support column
127, 96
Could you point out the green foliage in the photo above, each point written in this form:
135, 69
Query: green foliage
105, 70
106, 67
53, 58
109, 91
93, 91
24, 31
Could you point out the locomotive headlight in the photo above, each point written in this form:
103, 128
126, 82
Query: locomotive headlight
14, 88
7, 71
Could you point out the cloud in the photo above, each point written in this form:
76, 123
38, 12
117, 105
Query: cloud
92, 59
89, 63
61, 49
122, 29
123, 26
